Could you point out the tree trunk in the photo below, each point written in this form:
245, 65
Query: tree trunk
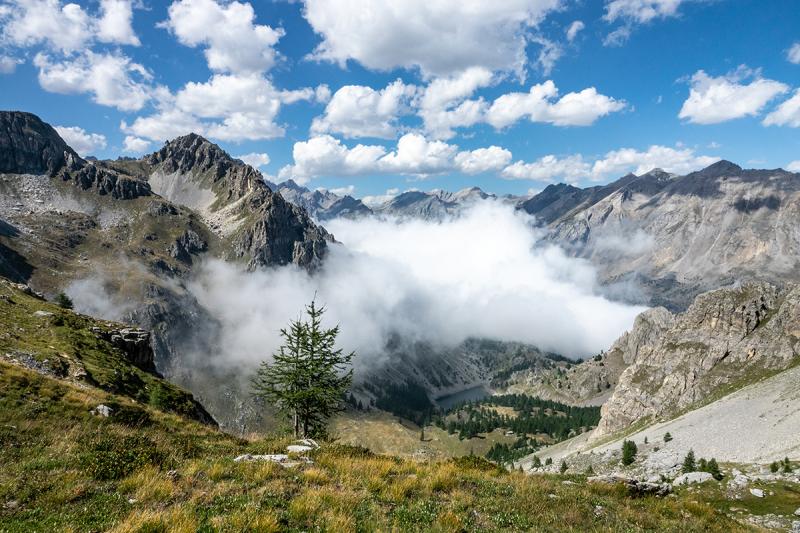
296, 425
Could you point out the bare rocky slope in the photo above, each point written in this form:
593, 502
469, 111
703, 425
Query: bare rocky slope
719, 378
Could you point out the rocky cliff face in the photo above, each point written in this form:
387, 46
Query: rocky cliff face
233, 199
30, 146
725, 339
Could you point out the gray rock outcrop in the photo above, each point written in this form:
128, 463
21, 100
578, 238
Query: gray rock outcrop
726, 337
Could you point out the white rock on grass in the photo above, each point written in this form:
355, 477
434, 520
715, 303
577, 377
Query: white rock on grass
758, 493
692, 477
102, 410
298, 448
797, 512
279, 458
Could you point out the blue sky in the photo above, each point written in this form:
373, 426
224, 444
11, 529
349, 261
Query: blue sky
370, 96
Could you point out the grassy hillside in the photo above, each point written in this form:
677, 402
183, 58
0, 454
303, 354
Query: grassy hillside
65, 469
63, 344
145, 469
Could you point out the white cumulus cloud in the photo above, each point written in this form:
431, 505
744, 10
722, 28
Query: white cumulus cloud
255, 159
794, 166
439, 38
414, 155
482, 160
80, 140
135, 145
234, 43
549, 168
675, 160
360, 111
114, 25
786, 114
111, 79
718, 99
636, 12
615, 163
540, 105
66, 27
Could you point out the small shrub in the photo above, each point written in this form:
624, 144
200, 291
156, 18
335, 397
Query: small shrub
130, 415
548, 461
64, 301
536, 461
787, 466
589, 471
774, 467
111, 457
474, 462
667, 437
564, 467
348, 450
628, 452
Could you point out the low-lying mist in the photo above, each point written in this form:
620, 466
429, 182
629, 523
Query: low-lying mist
485, 274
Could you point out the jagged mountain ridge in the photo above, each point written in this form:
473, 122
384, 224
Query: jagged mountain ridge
434, 205
673, 237
321, 204
235, 202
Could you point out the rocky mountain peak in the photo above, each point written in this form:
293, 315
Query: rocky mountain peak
192, 153
719, 169
28, 145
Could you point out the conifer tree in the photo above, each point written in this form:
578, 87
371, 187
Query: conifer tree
628, 452
308, 376
689, 464
713, 468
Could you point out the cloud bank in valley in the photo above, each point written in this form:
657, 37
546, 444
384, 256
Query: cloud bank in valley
485, 274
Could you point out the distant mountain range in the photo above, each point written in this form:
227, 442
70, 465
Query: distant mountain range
433, 205
140, 227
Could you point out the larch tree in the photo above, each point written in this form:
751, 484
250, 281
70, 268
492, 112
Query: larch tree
308, 376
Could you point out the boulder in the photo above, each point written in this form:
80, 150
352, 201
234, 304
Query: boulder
692, 477
635, 487
758, 493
